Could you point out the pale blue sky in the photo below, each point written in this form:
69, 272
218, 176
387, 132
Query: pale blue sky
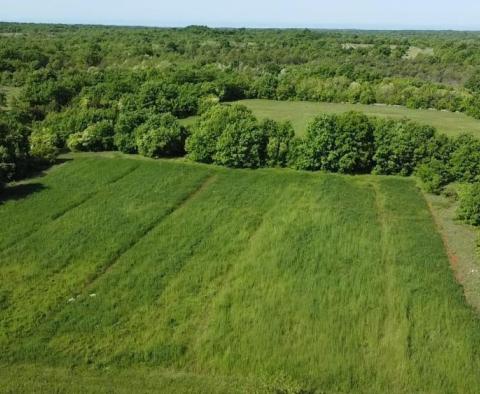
379, 14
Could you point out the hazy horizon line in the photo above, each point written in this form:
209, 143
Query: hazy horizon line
247, 25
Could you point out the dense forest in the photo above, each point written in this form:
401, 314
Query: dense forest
113, 88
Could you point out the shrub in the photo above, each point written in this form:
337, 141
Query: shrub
229, 136
165, 96
473, 106
7, 165
14, 158
367, 96
44, 145
205, 103
265, 86
338, 143
75, 120
465, 159
124, 138
401, 146
450, 191
280, 136
241, 147
160, 135
3, 99
96, 137
434, 175
201, 144
299, 156
74, 142
469, 203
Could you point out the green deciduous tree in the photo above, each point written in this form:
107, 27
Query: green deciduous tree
338, 143
280, 136
401, 146
13, 148
3, 99
434, 175
229, 136
96, 137
44, 145
93, 55
127, 122
469, 203
465, 159
160, 136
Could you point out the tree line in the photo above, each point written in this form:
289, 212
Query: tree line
231, 136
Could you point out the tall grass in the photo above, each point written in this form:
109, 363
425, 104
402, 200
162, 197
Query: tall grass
288, 280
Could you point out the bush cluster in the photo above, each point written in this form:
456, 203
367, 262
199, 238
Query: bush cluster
336, 143
231, 136
96, 137
160, 136
14, 148
350, 143
469, 207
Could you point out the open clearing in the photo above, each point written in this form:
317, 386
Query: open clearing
127, 275
412, 51
301, 112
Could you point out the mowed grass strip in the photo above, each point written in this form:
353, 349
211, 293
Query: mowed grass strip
285, 279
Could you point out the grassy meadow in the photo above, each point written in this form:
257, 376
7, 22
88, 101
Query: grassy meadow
301, 112
127, 275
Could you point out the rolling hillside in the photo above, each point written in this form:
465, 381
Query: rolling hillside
125, 274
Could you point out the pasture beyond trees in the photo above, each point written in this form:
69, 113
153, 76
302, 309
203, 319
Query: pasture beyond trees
300, 113
127, 274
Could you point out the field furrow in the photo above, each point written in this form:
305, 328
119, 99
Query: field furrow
146, 230
125, 213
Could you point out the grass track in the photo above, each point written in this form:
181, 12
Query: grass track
211, 279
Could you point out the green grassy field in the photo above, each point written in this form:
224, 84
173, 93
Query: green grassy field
301, 112
127, 275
